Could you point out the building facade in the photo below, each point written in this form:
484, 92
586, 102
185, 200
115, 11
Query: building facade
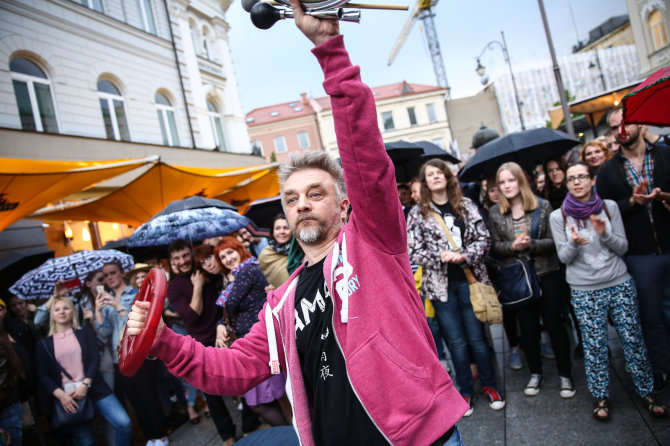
409, 112
154, 72
649, 20
280, 129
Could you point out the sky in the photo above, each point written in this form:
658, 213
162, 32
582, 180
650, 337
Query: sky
274, 66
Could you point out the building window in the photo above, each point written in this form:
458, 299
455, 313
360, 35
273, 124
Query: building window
194, 36
256, 148
113, 113
657, 28
430, 108
166, 120
387, 119
33, 96
412, 116
92, 4
303, 140
280, 144
217, 127
147, 16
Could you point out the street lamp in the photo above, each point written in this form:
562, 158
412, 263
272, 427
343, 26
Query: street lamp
481, 71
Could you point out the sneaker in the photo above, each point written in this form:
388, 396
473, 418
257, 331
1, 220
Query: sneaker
515, 362
546, 351
496, 402
533, 386
468, 399
567, 387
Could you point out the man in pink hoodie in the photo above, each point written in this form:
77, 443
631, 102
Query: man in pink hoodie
348, 327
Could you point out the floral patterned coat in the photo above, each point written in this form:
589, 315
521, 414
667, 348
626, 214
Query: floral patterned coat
426, 241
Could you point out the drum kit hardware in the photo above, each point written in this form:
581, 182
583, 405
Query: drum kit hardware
264, 14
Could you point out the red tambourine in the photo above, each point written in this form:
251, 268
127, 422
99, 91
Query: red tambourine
134, 349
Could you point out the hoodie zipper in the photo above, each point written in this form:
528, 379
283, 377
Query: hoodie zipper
337, 341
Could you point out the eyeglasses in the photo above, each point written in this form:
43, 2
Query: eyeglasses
581, 178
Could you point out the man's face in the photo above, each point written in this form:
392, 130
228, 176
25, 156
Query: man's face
310, 200
244, 237
182, 260
632, 130
113, 276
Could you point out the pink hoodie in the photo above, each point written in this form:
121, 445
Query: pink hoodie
379, 320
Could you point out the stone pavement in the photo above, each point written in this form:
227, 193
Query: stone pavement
545, 419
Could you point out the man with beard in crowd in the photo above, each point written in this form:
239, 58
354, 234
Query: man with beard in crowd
638, 179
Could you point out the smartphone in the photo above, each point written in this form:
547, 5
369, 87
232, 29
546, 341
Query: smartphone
100, 289
69, 284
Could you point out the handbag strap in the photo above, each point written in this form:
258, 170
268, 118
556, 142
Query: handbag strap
466, 269
62, 369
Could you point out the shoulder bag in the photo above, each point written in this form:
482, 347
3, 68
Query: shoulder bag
61, 418
483, 297
518, 282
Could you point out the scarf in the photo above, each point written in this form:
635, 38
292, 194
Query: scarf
223, 297
582, 211
280, 249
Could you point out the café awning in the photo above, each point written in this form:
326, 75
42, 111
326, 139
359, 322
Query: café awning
136, 202
28, 185
593, 107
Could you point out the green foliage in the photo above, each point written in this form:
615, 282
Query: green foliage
273, 158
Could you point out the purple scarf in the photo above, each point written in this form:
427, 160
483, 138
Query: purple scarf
582, 211
223, 297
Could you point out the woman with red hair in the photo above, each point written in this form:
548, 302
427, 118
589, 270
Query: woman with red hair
242, 299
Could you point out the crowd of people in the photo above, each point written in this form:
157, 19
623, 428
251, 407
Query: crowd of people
599, 250
66, 349
330, 295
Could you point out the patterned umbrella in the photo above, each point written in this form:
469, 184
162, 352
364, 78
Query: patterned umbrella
191, 224
39, 283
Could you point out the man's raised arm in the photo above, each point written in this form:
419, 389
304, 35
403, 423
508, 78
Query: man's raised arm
368, 171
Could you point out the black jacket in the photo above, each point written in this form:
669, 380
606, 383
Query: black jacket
50, 373
644, 235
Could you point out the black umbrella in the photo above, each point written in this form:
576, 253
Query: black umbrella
411, 167
527, 148
400, 153
14, 264
263, 211
194, 202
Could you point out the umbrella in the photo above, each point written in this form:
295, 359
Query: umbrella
39, 282
411, 167
194, 202
14, 264
527, 148
400, 153
648, 103
191, 224
262, 211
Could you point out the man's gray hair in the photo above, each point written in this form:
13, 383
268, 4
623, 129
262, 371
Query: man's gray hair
313, 160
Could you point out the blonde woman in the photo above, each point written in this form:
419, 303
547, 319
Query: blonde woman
510, 223
75, 350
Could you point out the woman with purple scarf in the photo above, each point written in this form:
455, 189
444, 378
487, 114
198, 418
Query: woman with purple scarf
590, 239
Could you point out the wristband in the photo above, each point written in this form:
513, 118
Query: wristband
86, 384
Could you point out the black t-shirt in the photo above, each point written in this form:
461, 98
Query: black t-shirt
457, 228
338, 418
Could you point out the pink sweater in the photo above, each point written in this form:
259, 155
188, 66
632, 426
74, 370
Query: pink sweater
67, 352
379, 320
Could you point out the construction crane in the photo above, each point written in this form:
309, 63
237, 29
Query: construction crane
423, 11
